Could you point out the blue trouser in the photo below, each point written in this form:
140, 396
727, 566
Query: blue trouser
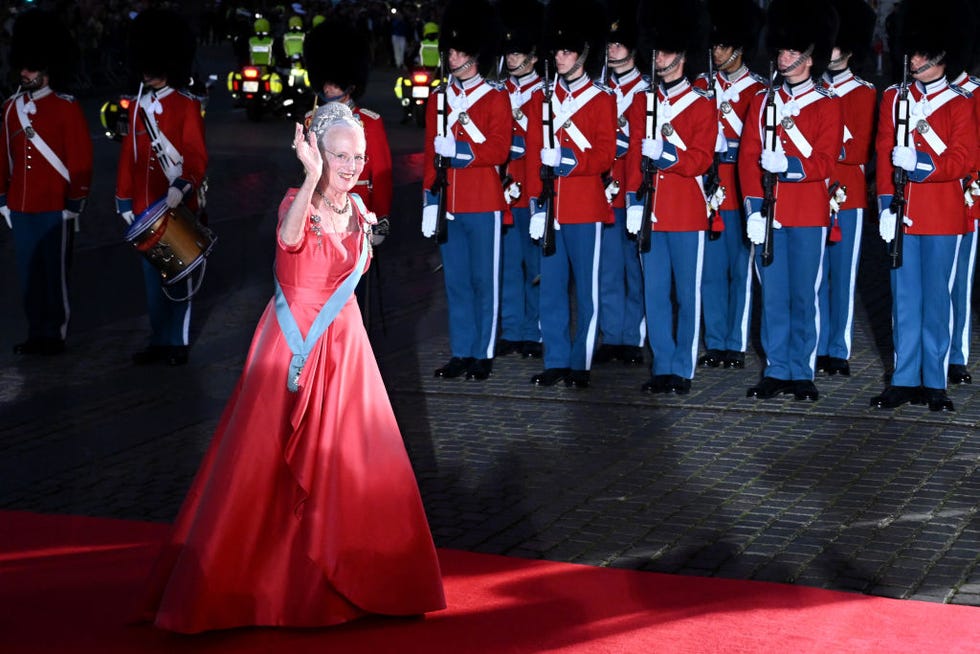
471, 269
840, 263
790, 322
922, 308
169, 320
726, 287
676, 256
520, 266
620, 286
577, 249
43, 245
966, 261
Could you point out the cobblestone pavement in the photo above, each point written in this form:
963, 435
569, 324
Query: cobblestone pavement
829, 494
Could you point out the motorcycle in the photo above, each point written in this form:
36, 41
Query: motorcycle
256, 88
114, 113
413, 90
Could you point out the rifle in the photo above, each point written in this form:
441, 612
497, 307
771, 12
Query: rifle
646, 190
441, 182
713, 178
899, 176
547, 197
768, 209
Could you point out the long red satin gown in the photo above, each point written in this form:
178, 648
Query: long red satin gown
305, 511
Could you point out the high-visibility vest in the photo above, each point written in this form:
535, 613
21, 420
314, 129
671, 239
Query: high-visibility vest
292, 43
260, 51
429, 53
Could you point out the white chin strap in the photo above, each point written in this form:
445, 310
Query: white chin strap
578, 63
524, 65
929, 64
799, 61
461, 68
672, 65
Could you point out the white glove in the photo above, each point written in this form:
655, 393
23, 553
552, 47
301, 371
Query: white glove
721, 143
634, 217
174, 197
774, 161
512, 192
904, 157
536, 229
886, 224
445, 146
550, 157
755, 227
429, 215
652, 148
128, 217
5, 212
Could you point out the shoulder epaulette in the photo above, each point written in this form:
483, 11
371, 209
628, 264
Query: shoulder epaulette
189, 95
759, 78
370, 114
962, 91
602, 87
894, 87
65, 96
704, 76
824, 91
864, 82
494, 84
975, 79
709, 94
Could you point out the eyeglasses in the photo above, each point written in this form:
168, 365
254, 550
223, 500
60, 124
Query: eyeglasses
344, 158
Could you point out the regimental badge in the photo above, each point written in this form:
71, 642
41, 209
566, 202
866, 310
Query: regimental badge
922, 127
667, 130
29, 132
622, 121
726, 107
787, 122
518, 114
464, 118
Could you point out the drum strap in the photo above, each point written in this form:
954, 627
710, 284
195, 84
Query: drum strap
301, 347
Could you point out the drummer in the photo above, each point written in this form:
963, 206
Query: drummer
169, 168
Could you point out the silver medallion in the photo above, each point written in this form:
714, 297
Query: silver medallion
922, 127
518, 114
622, 121
667, 129
29, 132
464, 118
726, 107
787, 122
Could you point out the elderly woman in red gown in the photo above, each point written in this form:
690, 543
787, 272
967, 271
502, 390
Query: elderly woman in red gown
305, 511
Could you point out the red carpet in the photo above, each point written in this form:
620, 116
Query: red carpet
65, 585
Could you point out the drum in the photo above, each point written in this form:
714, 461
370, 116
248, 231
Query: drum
171, 239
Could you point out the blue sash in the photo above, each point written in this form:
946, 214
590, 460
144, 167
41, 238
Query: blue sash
301, 347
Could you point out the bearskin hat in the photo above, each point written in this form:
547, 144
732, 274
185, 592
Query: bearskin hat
680, 27
336, 52
802, 25
473, 27
621, 21
578, 26
736, 23
42, 43
934, 27
522, 22
161, 44
857, 26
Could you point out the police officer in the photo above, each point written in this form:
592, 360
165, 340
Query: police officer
429, 46
292, 40
260, 45
808, 127
848, 190
726, 282
521, 258
45, 172
175, 175
680, 146
941, 151
472, 137
620, 278
579, 148
338, 63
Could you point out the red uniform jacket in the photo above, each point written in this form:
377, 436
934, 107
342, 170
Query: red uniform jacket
374, 185
28, 183
733, 94
474, 180
972, 84
934, 197
801, 192
625, 88
140, 180
580, 195
525, 103
678, 203
858, 101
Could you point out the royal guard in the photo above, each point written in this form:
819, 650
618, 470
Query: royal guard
790, 147
926, 145
573, 146
45, 173
620, 277
467, 137
848, 191
163, 157
338, 63
520, 256
966, 259
669, 152
726, 278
